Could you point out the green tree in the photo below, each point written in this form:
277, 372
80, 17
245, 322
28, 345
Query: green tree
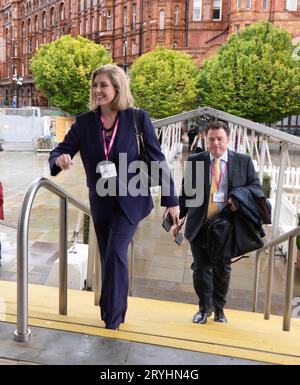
164, 82
253, 75
63, 68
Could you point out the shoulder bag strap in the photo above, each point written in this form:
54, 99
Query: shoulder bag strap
138, 131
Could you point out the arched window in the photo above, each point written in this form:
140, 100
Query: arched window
29, 26
62, 11
52, 16
36, 23
44, 20
162, 19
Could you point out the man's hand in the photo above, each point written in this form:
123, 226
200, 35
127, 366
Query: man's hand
174, 212
177, 228
232, 205
64, 161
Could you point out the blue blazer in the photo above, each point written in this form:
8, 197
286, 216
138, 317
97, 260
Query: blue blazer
85, 136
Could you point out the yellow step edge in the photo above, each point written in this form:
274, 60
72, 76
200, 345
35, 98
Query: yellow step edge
247, 335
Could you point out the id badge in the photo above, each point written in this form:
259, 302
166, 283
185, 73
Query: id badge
218, 197
108, 170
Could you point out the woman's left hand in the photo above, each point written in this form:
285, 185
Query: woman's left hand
174, 212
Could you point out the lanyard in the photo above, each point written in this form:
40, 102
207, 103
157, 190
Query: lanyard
107, 150
221, 176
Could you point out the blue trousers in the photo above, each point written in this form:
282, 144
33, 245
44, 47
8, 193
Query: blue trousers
114, 236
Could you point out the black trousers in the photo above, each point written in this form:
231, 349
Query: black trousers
114, 236
211, 282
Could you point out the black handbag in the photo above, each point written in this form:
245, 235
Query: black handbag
230, 235
142, 150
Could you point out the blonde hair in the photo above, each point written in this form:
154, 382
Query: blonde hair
119, 80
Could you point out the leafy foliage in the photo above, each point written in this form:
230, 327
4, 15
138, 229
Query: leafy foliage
164, 82
253, 75
62, 71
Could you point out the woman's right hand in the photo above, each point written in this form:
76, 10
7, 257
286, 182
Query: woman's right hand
64, 161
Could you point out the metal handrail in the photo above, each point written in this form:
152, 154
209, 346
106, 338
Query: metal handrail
290, 236
22, 333
8, 224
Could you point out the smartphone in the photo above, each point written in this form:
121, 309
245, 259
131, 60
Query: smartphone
167, 222
179, 238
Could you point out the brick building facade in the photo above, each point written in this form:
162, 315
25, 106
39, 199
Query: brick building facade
126, 29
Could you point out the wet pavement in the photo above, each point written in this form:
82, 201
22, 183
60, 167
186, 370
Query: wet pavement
162, 269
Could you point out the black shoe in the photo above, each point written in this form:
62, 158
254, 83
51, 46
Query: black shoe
201, 317
220, 317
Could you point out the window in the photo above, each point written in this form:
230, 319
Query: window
15, 49
237, 28
291, 5
52, 16
36, 23
176, 15
133, 49
62, 11
217, 9
125, 20
30, 45
108, 21
248, 4
134, 17
162, 19
44, 20
265, 5
197, 10
238, 4
93, 24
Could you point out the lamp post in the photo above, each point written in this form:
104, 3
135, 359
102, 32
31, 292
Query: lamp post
19, 81
125, 56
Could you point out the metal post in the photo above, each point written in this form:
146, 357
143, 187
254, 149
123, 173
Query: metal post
256, 276
268, 296
63, 256
289, 285
262, 159
22, 333
131, 268
97, 278
252, 143
283, 157
91, 255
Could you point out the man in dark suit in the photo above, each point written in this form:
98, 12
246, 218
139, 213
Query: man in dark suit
223, 171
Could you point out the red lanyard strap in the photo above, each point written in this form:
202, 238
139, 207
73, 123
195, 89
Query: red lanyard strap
107, 150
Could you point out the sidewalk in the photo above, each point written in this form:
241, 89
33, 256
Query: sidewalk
162, 269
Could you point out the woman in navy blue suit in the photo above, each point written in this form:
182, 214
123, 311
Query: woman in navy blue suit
106, 139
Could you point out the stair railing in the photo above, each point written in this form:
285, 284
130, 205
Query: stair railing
268, 248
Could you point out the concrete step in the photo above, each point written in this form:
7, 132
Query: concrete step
18, 146
247, 335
